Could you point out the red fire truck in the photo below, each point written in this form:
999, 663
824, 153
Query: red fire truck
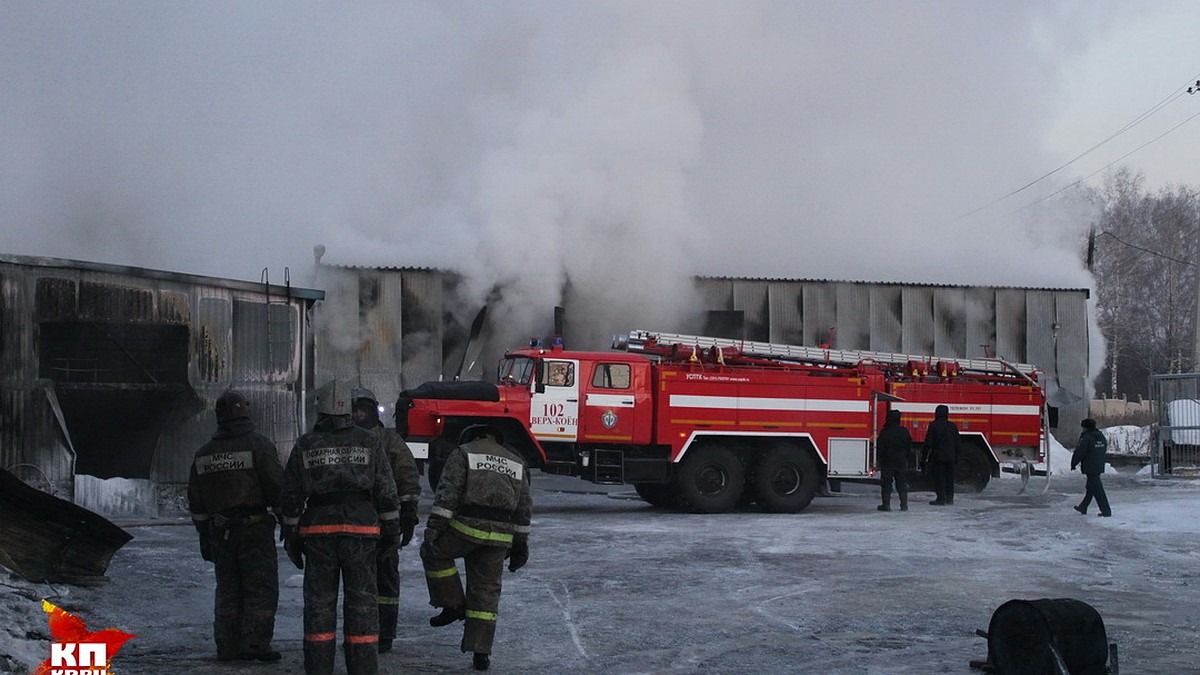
709, 423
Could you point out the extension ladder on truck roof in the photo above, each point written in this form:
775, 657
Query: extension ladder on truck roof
637, 341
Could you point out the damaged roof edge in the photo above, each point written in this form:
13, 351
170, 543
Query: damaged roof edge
308, 294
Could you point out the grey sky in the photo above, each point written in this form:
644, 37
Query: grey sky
622, 145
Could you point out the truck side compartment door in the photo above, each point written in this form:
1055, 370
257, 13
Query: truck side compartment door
609, 404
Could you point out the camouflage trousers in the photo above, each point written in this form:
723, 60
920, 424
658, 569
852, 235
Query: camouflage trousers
387, 562
481, 599
330, 559
247, 570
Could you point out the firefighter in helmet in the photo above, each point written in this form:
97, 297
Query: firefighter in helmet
365, 410
339, 499
234, 479
481, 513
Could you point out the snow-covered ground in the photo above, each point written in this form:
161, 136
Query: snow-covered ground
616, 586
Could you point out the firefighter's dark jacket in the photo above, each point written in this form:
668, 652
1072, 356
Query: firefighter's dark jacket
404, 467
236, 473
483, 495
892, 446
943, 440
1090, 451
338, 481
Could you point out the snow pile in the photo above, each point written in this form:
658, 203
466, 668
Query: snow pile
1128, 440
24, 628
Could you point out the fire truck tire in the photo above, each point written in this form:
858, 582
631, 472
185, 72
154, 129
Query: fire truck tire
710, 480
972, 471
657, 494
786, 480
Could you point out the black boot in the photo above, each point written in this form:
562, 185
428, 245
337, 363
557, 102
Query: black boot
448, 616
482, 661
903, 502
883, 507
266, 656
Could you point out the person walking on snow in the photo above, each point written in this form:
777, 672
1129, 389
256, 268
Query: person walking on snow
481, 513
1089, 456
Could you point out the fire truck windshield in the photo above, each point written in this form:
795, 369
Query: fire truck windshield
516, 370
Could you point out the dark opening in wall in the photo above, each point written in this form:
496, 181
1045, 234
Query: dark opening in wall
730, 324
119, 386
90, 352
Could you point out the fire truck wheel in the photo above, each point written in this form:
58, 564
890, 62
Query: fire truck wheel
710, 480
656, 494
971, 471
786, 480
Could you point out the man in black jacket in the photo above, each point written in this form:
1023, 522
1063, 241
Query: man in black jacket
943, 443
1089, 456
891, 452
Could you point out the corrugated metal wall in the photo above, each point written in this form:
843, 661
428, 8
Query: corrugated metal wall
234, 338
948, 321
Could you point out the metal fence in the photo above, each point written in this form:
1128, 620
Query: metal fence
1176, 433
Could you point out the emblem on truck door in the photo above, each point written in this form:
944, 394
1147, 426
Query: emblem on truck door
609, 419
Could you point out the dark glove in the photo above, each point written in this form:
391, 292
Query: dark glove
408, 522
293, 544
206, 548
517, 555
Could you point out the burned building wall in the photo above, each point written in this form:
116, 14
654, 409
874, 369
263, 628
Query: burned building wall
113, 372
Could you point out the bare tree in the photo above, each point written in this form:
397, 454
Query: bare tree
1145, 270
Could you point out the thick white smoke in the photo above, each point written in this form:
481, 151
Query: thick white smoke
612, 149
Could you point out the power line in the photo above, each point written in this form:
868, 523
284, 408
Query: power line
1145, 250
1106, 166
1170, 98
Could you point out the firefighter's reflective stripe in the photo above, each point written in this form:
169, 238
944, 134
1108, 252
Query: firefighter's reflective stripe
409, 498
340, 529
480, 534
441, 511
521, 529
389, 515
385, 600
441, 574
361, 639
320, 637
483, 616
199, 517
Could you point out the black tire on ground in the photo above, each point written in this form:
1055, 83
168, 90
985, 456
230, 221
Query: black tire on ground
710, 480
786, 480
657, 494
972, 471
